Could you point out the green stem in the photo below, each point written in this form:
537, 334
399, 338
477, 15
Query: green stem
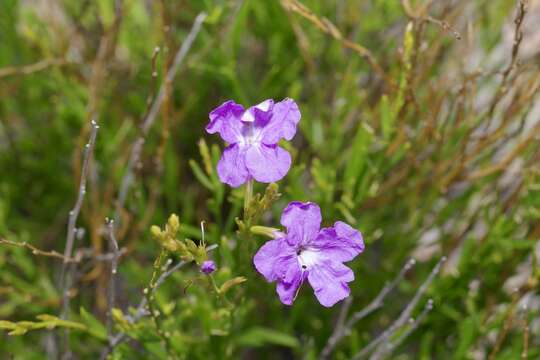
150, 300
219, 295
213, 281
247, 198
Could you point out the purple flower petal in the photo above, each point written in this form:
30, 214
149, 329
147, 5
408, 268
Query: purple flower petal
329, 280
302, 221
273, 259
287, 291
256, 131
340, 242
282, 124
267, 163
225, 120
259, 114
307, 253
231, 167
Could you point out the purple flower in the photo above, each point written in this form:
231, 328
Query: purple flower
253, 135
308, 252
208, 267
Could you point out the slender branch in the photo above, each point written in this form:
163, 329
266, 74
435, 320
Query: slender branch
508, 158
80, 254
526, 331
36, 251
343, 329
421, 15
405, 314
150, 118
159, 268
518, 37
342, 317
329, 28
113, 248
508, 321
74, 214
32, 68
67, 267
385, 350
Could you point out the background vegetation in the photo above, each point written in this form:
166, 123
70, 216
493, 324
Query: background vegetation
420, 127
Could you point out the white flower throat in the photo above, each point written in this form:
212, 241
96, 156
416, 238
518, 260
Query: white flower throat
307, 257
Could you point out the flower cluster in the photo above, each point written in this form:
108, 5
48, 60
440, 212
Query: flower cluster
305, 251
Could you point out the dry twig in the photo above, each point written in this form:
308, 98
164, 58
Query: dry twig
149, 120
32, 68
343, 329
113, 248
329, 28
65, 277
36, 251
405, 315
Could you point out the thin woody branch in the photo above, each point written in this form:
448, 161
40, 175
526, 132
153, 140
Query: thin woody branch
113, 248
404, 316
343, 329
36, 251
65, 276
329, 28
32, 68
150, 118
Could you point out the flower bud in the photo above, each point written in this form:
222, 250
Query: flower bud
208, 267
174, 224
155, 231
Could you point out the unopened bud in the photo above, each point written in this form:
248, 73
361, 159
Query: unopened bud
174, 224
155, 231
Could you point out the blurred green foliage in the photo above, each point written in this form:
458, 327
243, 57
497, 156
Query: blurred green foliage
441, 159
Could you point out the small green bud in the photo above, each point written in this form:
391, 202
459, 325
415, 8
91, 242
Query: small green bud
191, 246
171, 245
265, 231
173, 224
155, 231
230, 283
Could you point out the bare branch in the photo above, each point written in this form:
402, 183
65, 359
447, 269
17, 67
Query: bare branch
420, 15
74, 214
344, 329
405, 314
526, 332
67, 267
32, 68
150, 118
36, 251
502, 90
385, 350
113, 248
80, 254
329, 28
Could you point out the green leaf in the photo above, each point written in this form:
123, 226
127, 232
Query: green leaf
467, 334
199, 174
94, 326
260, 336
357, 156
387, 118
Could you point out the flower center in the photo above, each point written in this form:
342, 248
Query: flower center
250, 135
307, 257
